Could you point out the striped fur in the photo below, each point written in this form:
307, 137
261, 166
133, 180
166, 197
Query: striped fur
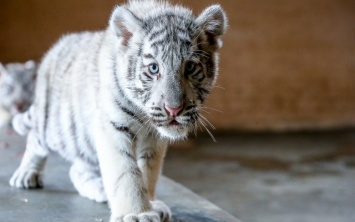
103, 99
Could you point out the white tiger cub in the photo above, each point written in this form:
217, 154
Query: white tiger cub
110, 101
16, 89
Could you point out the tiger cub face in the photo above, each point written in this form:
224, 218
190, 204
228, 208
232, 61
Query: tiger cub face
17, 82
172, 66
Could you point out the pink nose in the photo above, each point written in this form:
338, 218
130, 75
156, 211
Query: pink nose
172, 111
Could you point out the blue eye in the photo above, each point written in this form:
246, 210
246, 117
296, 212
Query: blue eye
154, 68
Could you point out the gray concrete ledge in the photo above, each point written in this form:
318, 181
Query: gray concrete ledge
59, 202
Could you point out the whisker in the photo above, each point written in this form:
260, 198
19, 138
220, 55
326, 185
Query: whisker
219, 87
201, 54
209, 132
209, 123
143, 125
198, 125
199, 34
205, 107
213, 109
206, 111
194, 128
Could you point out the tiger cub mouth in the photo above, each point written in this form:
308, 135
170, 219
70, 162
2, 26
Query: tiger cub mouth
180, 121
174, 123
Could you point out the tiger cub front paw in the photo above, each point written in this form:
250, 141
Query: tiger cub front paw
160, 213
26, 179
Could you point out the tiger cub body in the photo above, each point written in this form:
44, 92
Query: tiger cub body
16, 89
110, 101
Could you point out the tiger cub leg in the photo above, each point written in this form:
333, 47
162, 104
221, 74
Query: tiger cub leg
150, 157
29, 173
87, 180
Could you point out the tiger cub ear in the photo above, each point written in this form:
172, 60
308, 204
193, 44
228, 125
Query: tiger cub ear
213, 21
30, 64
124, 24
31, 67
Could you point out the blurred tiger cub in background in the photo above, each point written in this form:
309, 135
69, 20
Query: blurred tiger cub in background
16, 89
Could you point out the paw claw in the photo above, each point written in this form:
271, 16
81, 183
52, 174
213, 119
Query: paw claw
26, 179
162, 209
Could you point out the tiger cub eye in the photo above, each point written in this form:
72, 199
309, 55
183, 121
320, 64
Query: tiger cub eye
190, 67
153, 68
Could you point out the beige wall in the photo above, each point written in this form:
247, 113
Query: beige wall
285, 64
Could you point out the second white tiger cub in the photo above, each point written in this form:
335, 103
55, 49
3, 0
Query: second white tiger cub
110, 101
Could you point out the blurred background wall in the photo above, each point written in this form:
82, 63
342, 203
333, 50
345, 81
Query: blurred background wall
285, 64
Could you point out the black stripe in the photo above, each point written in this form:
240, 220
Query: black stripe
132, 63
144, 81
128, 154
73, 128
123, 129
140, 50
147, 155
146, 97
119, 127
159, 120
156, 108
159, 43
199, 93
147, 75
148, 56
134, 171
46, 111
188, 108
153, 35
128, 112
158, 115
122, 107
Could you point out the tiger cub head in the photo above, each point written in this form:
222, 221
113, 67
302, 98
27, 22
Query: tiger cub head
171, 61
17, 82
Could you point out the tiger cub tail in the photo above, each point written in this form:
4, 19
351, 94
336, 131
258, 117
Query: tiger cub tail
22, 123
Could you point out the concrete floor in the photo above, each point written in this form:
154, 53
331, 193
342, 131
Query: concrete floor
295, 177
58, 201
